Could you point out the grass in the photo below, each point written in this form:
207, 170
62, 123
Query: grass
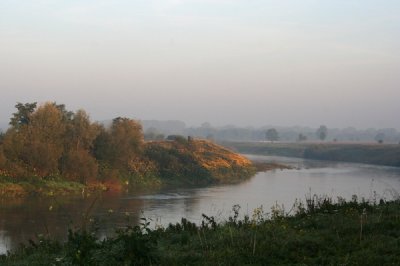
322, 232
378, 154
10, 187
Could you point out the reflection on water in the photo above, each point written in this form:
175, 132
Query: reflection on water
5, 242
21, 220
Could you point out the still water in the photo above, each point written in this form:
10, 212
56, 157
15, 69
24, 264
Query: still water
24, 219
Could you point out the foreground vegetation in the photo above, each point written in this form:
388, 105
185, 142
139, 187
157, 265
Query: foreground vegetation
379, 154
320, 233
48, 150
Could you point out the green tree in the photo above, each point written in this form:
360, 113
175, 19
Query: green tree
322, 132
23, 114
67, 115
272, 135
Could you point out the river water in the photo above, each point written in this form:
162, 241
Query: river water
24, 219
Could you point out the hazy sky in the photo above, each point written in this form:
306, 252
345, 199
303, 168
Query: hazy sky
250, 62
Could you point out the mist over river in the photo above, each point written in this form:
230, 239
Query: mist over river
24, 219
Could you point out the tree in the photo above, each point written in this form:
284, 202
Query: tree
322, 132
46, 139
126, 139
79, 165
380, 137
272, 135
35, 141
151, 134
301, 137
67, 115
117, 145
81, 133
102, 145
2, 158
23, 114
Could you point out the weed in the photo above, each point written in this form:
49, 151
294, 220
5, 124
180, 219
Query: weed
352, 232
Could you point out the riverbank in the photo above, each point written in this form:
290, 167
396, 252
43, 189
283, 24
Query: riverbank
320, 233
16, 189
50, 150
377, 154
162, 164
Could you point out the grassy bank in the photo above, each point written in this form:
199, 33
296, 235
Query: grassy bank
48, 149
162, 163
321, 233
22, 188
197, 162
379, 154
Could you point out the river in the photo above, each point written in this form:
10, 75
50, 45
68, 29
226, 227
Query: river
24, 219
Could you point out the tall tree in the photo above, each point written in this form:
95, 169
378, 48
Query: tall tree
77, 162
80, 131
38, 143
272, 134
23, 114
322, 132
120, 143
126, 140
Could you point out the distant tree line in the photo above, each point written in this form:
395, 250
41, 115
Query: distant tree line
296, 133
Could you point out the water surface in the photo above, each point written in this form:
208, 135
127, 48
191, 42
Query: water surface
23, 219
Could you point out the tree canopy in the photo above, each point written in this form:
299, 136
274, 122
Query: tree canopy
49, 141
322, 132
272, 134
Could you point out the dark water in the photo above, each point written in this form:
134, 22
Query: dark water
21, 220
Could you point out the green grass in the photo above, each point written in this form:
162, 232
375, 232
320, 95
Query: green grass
379, 154
320, 233
17, 188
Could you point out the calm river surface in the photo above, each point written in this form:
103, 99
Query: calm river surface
23, 219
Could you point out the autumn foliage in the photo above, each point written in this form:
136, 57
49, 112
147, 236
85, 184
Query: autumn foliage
48, 142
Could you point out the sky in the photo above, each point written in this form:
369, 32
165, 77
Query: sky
243, 62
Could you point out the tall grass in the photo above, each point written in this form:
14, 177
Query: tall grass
319, 232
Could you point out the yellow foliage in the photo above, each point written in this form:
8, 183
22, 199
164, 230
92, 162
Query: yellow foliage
209, 155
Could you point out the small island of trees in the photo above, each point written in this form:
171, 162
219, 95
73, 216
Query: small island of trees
49, 143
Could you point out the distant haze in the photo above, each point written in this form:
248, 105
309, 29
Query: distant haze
237, 62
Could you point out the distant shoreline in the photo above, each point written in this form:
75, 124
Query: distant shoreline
368, 153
